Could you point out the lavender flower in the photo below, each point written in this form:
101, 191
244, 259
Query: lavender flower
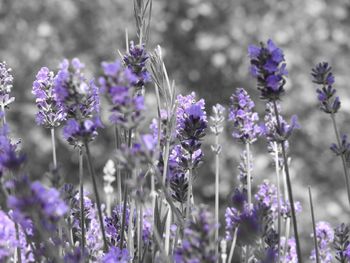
291, 252
197, 235
136, 60
267, 65
116, 255
8, 240
191, 123
10, 158
342, 243
50, 115
35, 202
79, 99
325, 236
322, 75
343, 148
119, 84
272, 131
243, 117
6, 80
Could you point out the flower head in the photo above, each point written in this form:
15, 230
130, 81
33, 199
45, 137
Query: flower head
119, 84
268, 67
323, 76
325, 237
136, 60
50, 114
79, 100
217, 119
6, 80
243, 117
116, 255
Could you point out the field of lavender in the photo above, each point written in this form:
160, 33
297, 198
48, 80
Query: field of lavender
129, 150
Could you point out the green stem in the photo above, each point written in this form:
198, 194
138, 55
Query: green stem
278, 202
346, 175
217, 181
18, 249
249, 184
167, 232
289, 187
189, 192
313, 226
98, 203
233, 245
54, 158
81, 185
119, 180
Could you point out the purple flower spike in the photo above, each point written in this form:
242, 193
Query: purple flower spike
136, 60
268, 67
325, 238
120, 84
50, 114
243, 117
6, 80
116, 255
323, 76
79, 100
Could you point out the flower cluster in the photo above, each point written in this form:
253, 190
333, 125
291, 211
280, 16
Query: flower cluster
119, 84
243, 117
10, 158
191, 123
136, 60
8, 240
40, 205
267, 65
325, 237
79, 99
273, 131
322, 75
342, 242
6, 80
115, 254
217, 119
50, 115
197, 235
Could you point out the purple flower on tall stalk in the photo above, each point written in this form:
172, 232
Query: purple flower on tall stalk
323, 76
267, 65
198, 234
291, 252
243, 117
119, 84
116, 255
6, 80
50, 114
136, 60
325, 237
10, 158
79, 100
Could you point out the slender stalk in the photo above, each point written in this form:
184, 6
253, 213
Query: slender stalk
54, 158
314, 226
98, 203
140, 243
346, 174
278, 201
18, 250
124, 217
233, 245
189, 192
166, 160
249, 184
289, 187
217, 181
119, 180
285, 245
130, 229
167, 231
81, 186
4, 113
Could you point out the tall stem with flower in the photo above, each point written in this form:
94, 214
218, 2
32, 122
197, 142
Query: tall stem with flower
268, 67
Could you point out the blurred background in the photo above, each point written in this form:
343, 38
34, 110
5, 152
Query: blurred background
205, 48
